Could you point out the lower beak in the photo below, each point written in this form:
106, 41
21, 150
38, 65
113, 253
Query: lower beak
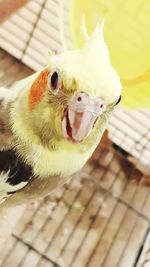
77, 125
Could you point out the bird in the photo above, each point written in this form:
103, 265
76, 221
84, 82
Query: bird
52, 121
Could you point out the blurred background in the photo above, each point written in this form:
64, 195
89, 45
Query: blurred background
101, 217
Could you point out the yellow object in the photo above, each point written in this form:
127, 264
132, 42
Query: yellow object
127, 26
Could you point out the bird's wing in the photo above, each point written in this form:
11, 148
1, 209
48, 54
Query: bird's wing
5, 131
14, 173
7, 96
35, 190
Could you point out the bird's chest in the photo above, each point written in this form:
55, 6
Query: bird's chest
63, 163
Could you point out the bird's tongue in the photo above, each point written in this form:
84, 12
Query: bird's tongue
79, 124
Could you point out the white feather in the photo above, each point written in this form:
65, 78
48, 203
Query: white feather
91, 68
5, 187
84, 30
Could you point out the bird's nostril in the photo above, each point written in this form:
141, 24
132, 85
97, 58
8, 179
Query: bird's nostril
79, 99
101, 105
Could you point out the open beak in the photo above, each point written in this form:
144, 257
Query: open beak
80, 116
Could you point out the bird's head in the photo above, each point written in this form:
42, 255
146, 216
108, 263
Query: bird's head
71, 96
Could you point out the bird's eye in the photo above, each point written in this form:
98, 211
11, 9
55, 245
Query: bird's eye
55, 82
119, 99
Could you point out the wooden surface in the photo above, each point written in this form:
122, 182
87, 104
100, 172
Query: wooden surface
99, 219
29, 33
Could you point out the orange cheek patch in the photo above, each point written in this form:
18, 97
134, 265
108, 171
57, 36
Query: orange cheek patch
37, 89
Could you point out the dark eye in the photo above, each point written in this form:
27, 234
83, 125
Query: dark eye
118, 101
55, 82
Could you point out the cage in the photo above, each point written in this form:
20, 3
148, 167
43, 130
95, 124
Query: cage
106, 221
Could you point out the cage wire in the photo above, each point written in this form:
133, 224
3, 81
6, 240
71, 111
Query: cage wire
27, 35
45, 24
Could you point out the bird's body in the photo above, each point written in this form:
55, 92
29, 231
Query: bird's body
48, 167
51, 122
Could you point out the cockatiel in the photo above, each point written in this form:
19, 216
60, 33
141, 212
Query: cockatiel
52, 121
